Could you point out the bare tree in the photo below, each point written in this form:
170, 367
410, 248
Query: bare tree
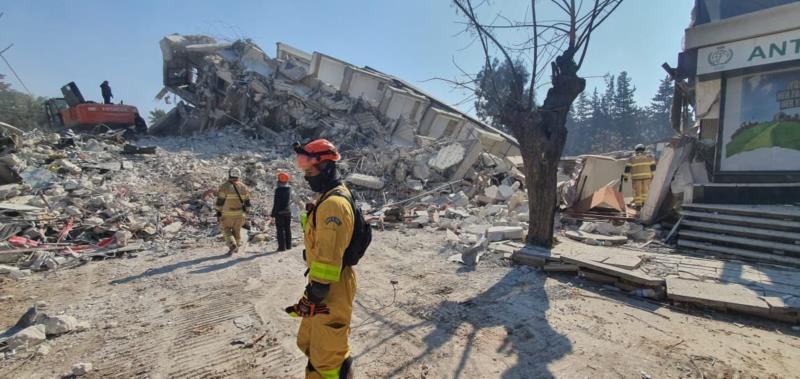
559, 44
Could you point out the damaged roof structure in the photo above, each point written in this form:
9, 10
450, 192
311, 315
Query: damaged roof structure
299, 96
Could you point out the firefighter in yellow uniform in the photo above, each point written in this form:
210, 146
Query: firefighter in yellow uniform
639, 169
327, 303
233, 200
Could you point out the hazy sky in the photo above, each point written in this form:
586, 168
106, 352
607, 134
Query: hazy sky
90, 41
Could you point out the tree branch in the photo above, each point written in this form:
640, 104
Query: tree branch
532, 89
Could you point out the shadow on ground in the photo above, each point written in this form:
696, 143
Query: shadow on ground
517, 303
168, 268
230, 263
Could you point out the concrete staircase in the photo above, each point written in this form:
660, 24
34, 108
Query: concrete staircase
764, 233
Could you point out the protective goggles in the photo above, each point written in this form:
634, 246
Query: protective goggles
305, 162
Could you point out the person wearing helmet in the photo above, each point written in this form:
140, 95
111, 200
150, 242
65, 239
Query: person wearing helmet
281, 212
233, 201
639, 169
326, 306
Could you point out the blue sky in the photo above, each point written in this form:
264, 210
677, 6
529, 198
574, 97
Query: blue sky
90, 41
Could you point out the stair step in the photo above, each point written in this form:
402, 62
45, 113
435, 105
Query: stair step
745, 220
746, 231
775, 247
784, 212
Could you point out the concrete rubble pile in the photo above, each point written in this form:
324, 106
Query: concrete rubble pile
36, 331
397, 141
82, 198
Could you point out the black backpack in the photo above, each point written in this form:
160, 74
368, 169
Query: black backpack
362, 231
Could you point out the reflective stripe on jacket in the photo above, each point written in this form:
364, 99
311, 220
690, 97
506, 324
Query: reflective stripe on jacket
640, 166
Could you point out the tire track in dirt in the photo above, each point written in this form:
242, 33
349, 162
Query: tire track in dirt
198, 342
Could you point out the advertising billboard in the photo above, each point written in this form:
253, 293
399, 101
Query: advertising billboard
761, 123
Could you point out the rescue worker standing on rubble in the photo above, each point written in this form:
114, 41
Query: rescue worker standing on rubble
233, 201
105, 90
281, 212
327, 303
639, 169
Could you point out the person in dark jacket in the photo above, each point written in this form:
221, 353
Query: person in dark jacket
105, 89
282, 213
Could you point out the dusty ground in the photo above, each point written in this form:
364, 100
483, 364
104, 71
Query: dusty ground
172, 316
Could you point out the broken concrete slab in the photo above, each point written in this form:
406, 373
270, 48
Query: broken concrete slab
595, 239
535, 256
447, 157
634, 276
727, 296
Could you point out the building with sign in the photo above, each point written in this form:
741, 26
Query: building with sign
742, 60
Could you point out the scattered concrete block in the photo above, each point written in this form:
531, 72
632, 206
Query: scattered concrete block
366, 181
456, 213
58, 325
492, 192
27, 338
122, 237
505, 192
479, 229
81, 369
460, 199
500, 233
415, 185
173, 228
472, 255
4, 269
92, 222
68, 166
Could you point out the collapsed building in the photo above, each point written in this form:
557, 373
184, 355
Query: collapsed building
740, 72
396, 132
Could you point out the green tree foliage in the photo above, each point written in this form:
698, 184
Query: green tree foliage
496, 79
613, 121
20, 109
156, 115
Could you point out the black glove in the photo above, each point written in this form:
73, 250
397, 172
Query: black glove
218, 214
305, 308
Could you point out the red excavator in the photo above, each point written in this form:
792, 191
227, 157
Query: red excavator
73, 111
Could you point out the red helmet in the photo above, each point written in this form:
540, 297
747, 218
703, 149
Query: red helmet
316, 151
283, 177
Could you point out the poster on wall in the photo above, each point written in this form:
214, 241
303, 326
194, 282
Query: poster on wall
761, 124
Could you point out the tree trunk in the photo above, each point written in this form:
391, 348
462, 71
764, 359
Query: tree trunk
542, 133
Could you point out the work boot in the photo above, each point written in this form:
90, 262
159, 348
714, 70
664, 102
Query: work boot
232, 250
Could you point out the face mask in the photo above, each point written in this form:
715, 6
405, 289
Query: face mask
317, 183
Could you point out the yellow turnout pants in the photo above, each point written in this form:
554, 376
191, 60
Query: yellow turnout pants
231, 227
323, 338
640, 189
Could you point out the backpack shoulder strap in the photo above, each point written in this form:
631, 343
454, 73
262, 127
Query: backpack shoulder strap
237, 194
325, 197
